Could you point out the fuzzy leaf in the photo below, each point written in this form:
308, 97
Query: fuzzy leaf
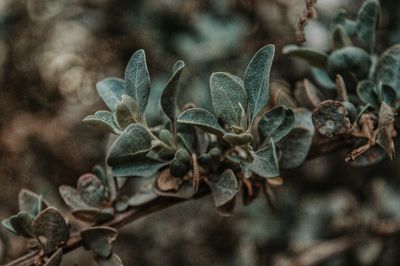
91, 189
224, 187
181, 164
50, 228
138, 80
256, 80
322, 79
265, 162
55, 259
386, 130
276, 124
367, 21
143, 196
103, 120
202, 119
238, 139
146, 167
127, 112
313, 57
330, 119
366, 91
340, 38
349, 25
307, 94
388, 68
388, 95
98, 239
281, 94
95, 215
111, 90
134, 142
227, 95
20, 224
30, 202
168, 97
72, 197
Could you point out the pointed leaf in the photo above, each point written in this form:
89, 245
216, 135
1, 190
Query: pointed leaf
265, 162
367, 21
224, 187
340, 38
227, 95
30, 202
133, 143
313, 57
98, 239
168, 97
111, 90
50, 229
103, 120
146, 167
256, 80
276, 124
127, 112
138, 80
388, 68
202, 119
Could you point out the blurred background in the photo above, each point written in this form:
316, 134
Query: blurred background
52, 52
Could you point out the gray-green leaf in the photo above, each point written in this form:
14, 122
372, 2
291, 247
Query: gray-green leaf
138, 79
146, 167
313, 57
256, 80
276, 124
367, 21
265, 161
133, 143
104, 120
127, 112
366, 91
202, 119
98, 239
386, 131
111, 90
388, 68
224, 187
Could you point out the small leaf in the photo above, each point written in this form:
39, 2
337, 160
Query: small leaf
133, 143
330, 119
186, 191
265, 162
165, 181
114, 260
340, 38
143, 196
224, 187
388, 95
256, 80
21, 224
146, 167
322, 79
367, 21
386, 130
127, 112
276, 124
349, 25
281, 94
388, 68
98, 239
93, 215
50, 229
103, 120
227, 95
366, 91
111, 90
91, 189
313, 57
181, 163
55, 259
169, 95
138, 80
202, 119
30, 202
238, 139
307, 94
72, 197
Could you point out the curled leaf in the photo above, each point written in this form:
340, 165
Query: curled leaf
98, 239
30, 202
111, 90
72, 197
224, 187
265, 162
103, 120
276, 124
313, 57
165, 181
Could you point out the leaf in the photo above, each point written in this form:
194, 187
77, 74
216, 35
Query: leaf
7, 225
72, 197
386, 130
202, 119
138, 80
21, 224
367, 21
165, 181
256, 80
134, 143
313, 57
114, 260
186, 191
30, 202
50, 229
238, 139
146, 167
340, 38
388, 68
227, 94
127, 112
281, 94
387, 95
349, 25
93, 215
330, 119
55, 259
276, 124
366, 91
91, 189
322, 79
307, 94
181, 163
265, 162
143, 196
224, 187
111, 90
98, 239
103, 120
169, 95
